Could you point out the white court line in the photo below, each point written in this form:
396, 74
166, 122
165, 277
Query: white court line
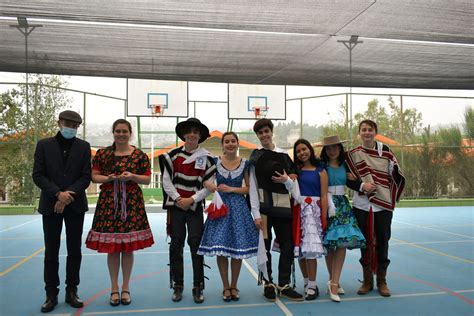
430, 228
445, 226
277, 301
137, 253
171, 309
378, 297
433, 242
10, 228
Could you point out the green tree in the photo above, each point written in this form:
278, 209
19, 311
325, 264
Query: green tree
21, 127
469, 122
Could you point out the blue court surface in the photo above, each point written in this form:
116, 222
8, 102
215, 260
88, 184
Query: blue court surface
432, 273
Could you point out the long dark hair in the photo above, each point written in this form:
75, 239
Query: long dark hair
312, 157
340, 159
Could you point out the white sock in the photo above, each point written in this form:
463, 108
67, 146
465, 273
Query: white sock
305, 283
311, 286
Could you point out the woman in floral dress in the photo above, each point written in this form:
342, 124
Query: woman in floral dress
343, 232
120, 224
234, 235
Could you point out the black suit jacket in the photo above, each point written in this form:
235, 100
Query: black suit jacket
51, 175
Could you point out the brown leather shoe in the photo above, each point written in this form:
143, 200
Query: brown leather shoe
367, 283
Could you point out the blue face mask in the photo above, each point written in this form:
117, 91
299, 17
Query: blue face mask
68, 132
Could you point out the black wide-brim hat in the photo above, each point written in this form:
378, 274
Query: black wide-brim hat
184, 126
266, 167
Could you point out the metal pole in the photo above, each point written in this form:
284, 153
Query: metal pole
139, 133
350, 91
27, 87
84, 120
402, 124
301, 118
347, 118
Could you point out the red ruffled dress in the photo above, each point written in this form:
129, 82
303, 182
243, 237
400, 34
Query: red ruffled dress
120, 223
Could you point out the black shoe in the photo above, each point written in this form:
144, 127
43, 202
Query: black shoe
290, 293
114, 301
310, 297
177, 294
73, 300
227, 298
269, 292
125, 300
49, 304
198, 295
236, 296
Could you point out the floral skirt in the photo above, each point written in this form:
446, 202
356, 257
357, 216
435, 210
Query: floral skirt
343, 231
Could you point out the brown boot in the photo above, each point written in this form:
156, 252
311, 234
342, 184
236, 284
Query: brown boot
382, 282
368, 283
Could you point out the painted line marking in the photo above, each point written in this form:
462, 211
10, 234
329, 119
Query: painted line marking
13, 227
430, 228
378, 297
16, 265
170, 309
435, 286
94, 254
434, 251
277, 301
433, 242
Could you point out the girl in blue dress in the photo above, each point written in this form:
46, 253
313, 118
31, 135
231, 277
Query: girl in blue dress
234, 235
310, 192
342, 232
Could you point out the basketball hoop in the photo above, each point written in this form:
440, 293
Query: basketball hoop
259, 112
157, 110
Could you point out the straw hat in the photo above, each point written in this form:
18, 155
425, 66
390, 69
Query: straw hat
333, 140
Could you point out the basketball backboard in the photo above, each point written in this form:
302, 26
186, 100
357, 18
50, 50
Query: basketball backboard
257, 101
144, 95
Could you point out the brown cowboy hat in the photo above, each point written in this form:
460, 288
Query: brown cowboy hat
192, 122
333, 140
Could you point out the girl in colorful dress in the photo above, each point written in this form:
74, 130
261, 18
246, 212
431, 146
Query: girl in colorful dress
234, 235
310, 192
343, 232
120, 224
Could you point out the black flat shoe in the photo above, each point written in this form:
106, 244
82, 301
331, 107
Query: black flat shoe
49, 304
125, 300
235, 297
226, 298
114, 301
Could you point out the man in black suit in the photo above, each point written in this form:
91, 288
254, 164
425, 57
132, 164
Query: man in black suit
62, 170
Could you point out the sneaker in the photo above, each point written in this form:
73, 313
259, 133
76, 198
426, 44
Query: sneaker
269, 292
177, 294
312, 294
290, 293
198, 295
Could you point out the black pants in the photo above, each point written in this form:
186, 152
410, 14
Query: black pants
382, 225
283, 232
52, 227
194, 220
